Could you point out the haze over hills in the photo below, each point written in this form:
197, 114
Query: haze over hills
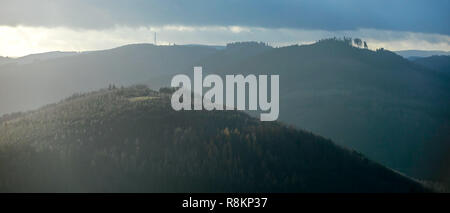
36, 57
392, 110
130, 140
438, 63
43, 56
4, 60
421, 53
42, 82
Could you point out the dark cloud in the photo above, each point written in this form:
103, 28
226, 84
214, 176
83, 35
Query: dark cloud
412, 15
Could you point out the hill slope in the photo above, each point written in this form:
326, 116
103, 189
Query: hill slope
130, 140
376, 102
4, 60
437, 63
25, 86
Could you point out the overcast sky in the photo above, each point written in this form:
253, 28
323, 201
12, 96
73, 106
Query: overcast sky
45, 25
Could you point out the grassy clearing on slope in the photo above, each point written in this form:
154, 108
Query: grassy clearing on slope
142, 98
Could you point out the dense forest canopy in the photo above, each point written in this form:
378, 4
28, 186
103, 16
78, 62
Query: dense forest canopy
130, 140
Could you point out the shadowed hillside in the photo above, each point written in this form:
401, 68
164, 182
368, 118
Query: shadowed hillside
376, 102
440, 63
130, 140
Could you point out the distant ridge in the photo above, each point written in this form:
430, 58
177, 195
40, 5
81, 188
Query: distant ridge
439, 63
38, 57
421, 53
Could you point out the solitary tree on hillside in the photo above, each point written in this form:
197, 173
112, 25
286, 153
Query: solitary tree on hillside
358, 42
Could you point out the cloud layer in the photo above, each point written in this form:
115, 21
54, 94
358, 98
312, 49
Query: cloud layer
329, 15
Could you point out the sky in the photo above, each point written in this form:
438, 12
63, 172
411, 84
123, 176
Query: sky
32, 26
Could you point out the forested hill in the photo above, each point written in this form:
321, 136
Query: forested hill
130, 140
377, 102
